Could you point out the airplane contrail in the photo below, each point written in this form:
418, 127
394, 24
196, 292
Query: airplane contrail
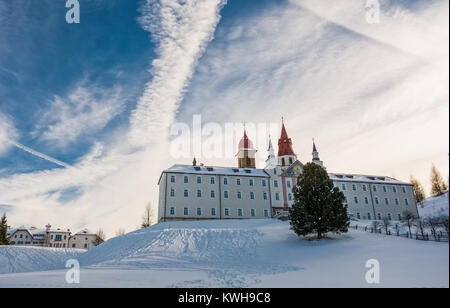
39, 154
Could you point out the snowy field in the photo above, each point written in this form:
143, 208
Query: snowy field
246, 253
434, 206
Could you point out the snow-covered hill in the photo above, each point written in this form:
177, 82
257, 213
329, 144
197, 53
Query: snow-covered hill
248, 253
15, 259
434, 206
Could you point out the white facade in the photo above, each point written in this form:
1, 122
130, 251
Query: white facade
84, 239
199, 192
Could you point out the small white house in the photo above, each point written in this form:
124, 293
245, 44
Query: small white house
84, 239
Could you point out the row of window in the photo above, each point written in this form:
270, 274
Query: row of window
377, 201
374, 187
212, 181
379, 216
212, 194
213, 212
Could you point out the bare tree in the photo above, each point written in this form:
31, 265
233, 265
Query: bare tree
438, 186
443, 222
420, 225
386, 223
100, 237
419, 191
408, 218
433, 224
147, 217
120, 232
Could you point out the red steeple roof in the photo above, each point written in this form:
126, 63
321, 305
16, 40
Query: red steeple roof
285, 143
245, 143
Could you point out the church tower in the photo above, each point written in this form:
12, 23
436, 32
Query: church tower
315, 155
286, 155
271, 160
247, 153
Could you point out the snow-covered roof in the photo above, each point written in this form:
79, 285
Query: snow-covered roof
85, 232
365, 178
189, 169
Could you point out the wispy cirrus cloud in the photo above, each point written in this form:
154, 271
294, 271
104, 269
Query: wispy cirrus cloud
115, 180
85, 110
181, 30
7, 133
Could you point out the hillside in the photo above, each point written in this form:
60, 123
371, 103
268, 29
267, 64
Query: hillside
434, 206
249, 253
15, 259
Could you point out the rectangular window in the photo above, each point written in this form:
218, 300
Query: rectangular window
376, 200
277, 196
238, 181
364, 187
394, 189
239, 195
353, 186
356, 200
199, 193
369, 217
344, 187
374, 187
225, 181
275, 171
186, 193
404, 190
389, 216
199, 211
227, 212
172, 179
288, 184
386, 200
199, 180
384, 189
252, 195
213, 180
213, 212
406, 202
379, 216
264, 183
275, 183
172, 192
250, 182
186, 211
396, 201
253, 212
213, 193
265, 196
172, 210
290, 197
358, 215
240, 212
225, 194
186, 179
266, 213
366, 200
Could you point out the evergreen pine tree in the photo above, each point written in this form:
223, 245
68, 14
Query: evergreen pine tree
4, 231
419, 191
318, 205
438, 185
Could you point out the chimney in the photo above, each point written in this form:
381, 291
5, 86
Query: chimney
194, 162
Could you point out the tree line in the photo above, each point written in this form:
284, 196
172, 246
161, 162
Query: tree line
437, 185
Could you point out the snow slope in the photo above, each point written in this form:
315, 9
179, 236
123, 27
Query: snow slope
248, 253
16, 259
434, 206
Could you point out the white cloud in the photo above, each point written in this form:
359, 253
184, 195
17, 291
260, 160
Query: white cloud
375, 96
115, 180
182, 31
8, 133
85, 110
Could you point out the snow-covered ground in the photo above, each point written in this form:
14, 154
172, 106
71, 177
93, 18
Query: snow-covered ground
434, 206
16, 259
248, 253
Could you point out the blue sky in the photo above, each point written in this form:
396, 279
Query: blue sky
100, 96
